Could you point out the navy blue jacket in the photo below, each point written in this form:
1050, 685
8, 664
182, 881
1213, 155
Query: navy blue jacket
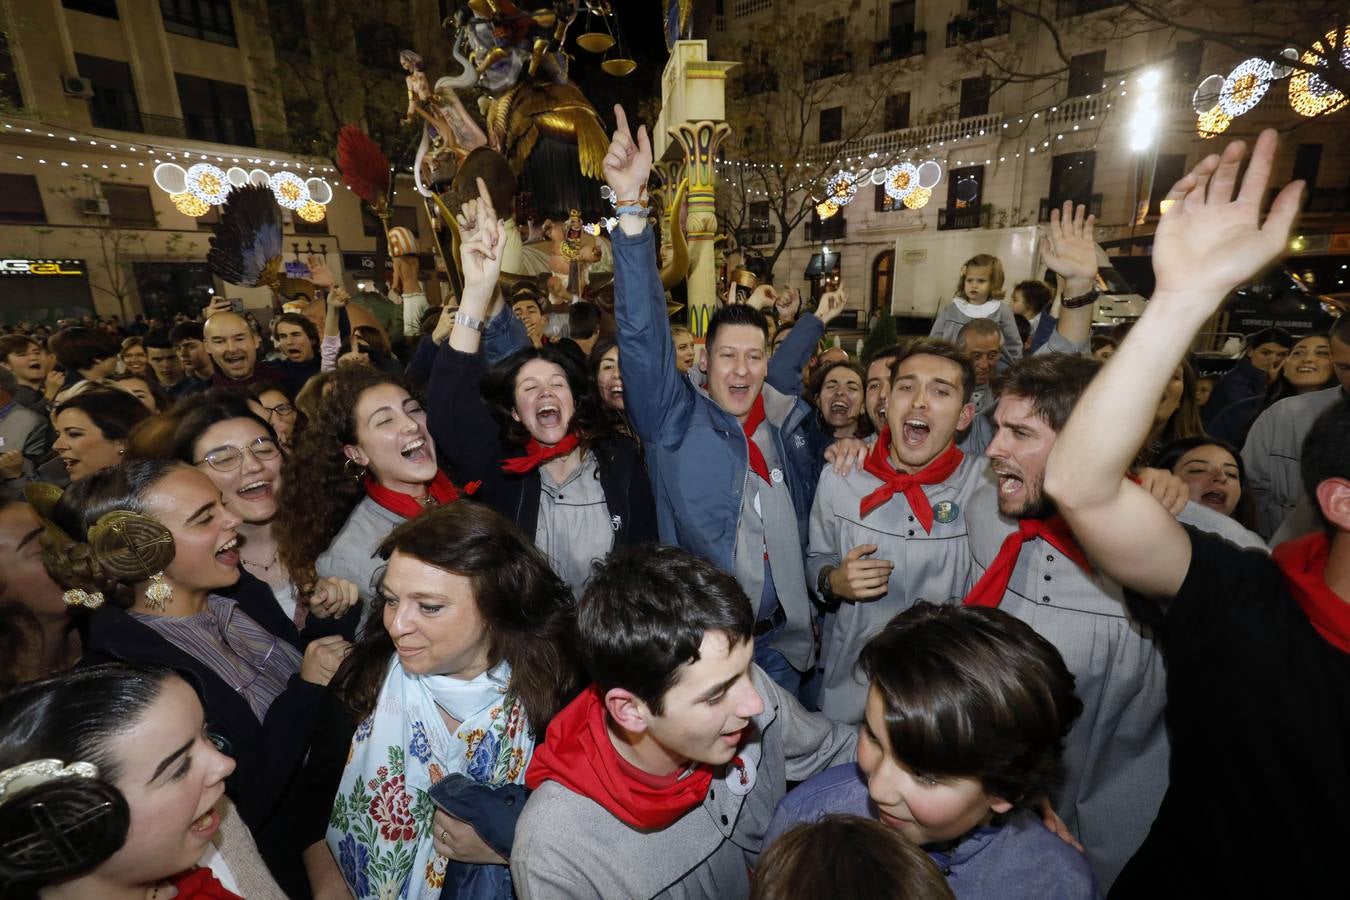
697, 454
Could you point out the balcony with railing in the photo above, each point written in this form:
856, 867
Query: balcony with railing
1076, 109
901, 45
1094, 206
958, 219
828, 67
742, 8
887, 145
757, 236
978, 27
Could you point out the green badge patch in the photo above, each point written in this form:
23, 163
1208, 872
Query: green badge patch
946, 512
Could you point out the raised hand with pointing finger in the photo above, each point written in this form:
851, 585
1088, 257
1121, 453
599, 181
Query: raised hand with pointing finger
628, 165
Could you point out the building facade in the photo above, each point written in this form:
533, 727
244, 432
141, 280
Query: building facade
1010, 149
94, 94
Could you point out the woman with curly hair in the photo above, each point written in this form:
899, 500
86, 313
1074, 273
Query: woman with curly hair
110, 786
554, 463
364, 464
453, 685
147, 549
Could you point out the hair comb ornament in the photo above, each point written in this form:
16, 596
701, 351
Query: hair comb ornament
78, 597
40, 771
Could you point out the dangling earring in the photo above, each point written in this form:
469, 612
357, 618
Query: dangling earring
347, 470
159, 593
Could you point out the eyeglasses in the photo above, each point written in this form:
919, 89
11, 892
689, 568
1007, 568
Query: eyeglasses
227, 459
285, 410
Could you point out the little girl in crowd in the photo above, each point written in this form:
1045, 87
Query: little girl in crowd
979, 295
961, 742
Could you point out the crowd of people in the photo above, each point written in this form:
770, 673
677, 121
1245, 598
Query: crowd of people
1003, 611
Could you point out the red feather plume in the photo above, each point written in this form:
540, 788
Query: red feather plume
365, 168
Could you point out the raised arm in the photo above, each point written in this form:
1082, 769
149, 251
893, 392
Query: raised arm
789, 361
1206, 244
1070, 251
659, 399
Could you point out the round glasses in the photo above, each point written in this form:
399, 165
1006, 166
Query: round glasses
227, 459
285, 410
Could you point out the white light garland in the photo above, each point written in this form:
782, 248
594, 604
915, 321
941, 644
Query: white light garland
208, 184
901, 180
843, 187
289, 190
1245, 86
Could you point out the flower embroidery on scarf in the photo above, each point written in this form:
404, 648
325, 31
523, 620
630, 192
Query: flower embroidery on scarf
419, 748
435, 872
483, 758
363, 730
435, 773
389, 809
353, 857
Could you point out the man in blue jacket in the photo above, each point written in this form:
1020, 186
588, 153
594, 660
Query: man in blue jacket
733, 464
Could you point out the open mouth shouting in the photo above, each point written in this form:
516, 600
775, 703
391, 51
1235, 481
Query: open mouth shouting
614, 396
1011, 487
227, 554
256, 491
914, 432
416, 451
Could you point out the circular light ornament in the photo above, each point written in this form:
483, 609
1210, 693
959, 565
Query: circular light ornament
930, 173
901, 179
190, 204
236, 176
1206, 96
843, 187
1245, 86
311, 211
289, 190
1279, 70
918, 198
826, 209
171, 178
1212, 122
208, 183
319, 191
1309, 93
260, 178
879, 176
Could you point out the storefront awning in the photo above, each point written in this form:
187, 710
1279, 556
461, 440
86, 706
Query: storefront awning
822, 264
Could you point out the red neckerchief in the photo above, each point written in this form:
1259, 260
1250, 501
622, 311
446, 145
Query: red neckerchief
440, 491
878, 464
577, 754
752, 422
1304, 563
536, 454
200, 884
993, 584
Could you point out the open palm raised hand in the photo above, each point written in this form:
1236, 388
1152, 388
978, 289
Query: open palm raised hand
628, 164
1208, 242
1069, 249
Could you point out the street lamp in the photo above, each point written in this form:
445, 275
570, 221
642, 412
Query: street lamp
1145, 122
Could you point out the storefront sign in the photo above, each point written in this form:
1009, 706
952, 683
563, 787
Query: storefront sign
42, 267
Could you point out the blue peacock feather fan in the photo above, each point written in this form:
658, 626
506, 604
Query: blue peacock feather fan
246, 242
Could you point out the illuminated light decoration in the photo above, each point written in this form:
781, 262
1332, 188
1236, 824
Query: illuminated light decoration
190, 204
1245, 86
1279, 70
879, 176
1206, 96
320, 191
171, 178
901, 180
208, 183
843, 187
260, 178
289, 190
918, 198
1213, 122
1309, 93
311, 211
236, 176
827, 209
930, 173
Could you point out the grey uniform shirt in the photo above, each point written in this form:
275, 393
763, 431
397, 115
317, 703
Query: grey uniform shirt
1117, 752
1274, 451
569, 847
933, 566
574, 527
351, 555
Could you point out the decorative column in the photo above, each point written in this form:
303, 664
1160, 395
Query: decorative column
666, 175
700, 141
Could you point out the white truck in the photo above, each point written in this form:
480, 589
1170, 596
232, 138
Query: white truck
928, 265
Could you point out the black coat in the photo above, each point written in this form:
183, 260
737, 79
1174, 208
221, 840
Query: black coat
283, 810
468, 437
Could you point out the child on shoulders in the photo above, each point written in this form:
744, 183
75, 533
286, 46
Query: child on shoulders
979, 295
967, 709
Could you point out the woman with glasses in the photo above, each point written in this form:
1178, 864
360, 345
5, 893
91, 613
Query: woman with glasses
271, 404
364, 465
220, 435
146, 552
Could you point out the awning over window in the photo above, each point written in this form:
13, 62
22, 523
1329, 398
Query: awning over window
822, 264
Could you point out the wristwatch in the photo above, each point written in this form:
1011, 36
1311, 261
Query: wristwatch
1081, 300
826, 599
469, 321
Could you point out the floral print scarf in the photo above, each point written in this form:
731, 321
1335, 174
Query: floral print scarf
380, 828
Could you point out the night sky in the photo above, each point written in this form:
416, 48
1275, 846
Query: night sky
642, 25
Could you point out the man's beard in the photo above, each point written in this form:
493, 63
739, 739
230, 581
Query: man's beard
1036, 505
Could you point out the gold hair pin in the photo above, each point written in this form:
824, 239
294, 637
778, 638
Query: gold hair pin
40, 771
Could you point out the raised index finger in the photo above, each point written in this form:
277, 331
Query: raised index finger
621, 120
485, 208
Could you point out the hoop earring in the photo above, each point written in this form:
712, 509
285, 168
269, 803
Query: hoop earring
346, 469
159, 593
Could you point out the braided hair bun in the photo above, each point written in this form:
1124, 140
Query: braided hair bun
58, 831
130, 546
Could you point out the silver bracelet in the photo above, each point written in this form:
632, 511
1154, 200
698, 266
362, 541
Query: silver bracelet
468, 321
